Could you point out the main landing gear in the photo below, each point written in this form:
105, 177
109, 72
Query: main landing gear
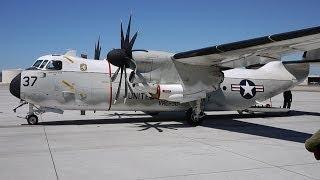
195, 114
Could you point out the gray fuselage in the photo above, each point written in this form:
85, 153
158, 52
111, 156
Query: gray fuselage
92, 89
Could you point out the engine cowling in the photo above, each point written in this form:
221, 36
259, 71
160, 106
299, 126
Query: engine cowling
170, 92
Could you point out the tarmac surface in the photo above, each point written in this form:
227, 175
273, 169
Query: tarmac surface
132, 145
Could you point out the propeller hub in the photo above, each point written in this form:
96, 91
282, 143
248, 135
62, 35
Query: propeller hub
117, 57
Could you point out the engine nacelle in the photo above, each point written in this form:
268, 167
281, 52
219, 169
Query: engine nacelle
170, 92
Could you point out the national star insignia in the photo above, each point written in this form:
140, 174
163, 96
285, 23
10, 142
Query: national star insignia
247, 88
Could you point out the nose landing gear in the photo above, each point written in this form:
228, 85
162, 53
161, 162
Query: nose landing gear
32, 119
34, 112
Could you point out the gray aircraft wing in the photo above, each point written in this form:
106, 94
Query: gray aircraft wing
239, 53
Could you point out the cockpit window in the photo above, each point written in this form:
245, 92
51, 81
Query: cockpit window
44, 63
54, 65
37, 63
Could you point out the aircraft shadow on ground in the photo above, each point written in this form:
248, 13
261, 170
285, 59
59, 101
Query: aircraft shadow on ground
118, 119
229, 122
232, 125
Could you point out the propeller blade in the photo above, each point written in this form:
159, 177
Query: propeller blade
142, 50
132, 41
122, 37
128, 32
97, 50
119, 87
132, 93
132, 76
126, 86
131, 64
122, 58
115, 75
144, 81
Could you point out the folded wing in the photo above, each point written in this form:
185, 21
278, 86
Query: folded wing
240, 53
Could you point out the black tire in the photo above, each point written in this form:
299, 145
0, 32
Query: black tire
191, 120
32, 119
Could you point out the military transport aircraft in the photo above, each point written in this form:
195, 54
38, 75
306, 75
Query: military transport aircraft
208, 79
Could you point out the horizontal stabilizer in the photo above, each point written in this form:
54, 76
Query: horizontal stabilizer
302, 61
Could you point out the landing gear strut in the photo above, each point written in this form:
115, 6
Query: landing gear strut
22, 103
195, 114
32, 118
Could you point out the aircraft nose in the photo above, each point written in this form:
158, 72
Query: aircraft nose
15, 86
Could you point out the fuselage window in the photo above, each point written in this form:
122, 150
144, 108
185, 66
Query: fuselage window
37, 63
54, 65
44, 63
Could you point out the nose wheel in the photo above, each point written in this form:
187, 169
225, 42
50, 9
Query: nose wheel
32, 119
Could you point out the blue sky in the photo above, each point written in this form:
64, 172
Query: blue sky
33, 28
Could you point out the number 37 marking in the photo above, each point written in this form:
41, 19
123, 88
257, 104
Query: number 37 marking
27, 80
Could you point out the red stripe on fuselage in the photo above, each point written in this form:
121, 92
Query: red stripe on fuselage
110, 100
